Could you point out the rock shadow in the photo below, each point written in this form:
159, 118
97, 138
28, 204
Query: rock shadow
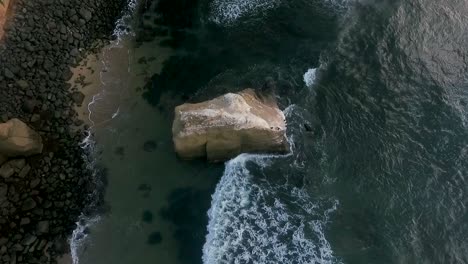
187, 210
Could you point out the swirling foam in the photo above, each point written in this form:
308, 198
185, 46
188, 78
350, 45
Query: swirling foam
228, 11
255, 221
309, 77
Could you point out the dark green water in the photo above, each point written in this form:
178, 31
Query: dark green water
379, 161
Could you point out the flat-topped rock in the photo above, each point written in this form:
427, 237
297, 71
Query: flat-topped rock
17, 139
226, 126
4, 4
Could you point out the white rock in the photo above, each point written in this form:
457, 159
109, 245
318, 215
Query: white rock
228, 125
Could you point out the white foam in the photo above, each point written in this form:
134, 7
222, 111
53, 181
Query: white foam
310, 77
79, 236
122, 25
252, 221
228, 11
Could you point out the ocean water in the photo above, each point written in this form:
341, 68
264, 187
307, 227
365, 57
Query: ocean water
375, 95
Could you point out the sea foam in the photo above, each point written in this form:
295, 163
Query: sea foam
228, 11
253, 221
309, 77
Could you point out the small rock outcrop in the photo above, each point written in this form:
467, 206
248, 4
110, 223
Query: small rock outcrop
17, 139
226, 126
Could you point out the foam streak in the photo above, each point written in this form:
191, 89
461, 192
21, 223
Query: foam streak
253, 222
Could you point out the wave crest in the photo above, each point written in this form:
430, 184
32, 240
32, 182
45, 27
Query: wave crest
228, 11
253, 221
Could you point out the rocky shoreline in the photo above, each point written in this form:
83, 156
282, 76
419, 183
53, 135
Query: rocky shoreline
43, 39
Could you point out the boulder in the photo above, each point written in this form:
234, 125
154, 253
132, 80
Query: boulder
42, 227
23, 84
17, 139
85, 13
78, 98
6, 170
28, 204
222, 128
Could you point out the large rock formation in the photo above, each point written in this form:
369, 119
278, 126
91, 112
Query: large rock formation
17, 139
3, 15
228, 125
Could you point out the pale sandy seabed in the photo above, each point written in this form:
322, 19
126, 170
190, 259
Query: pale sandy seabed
112, 82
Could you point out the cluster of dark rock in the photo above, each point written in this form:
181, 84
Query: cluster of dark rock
41, 196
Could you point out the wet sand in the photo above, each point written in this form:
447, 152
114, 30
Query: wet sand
122, 122
65, 259
86, 79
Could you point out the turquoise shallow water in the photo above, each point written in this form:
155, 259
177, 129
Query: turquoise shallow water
375, 95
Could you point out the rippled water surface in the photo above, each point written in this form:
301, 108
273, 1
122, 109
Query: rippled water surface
375, 94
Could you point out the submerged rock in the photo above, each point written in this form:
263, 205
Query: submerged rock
42, 227
228, 125
150, 146
154, 238
78, 98
28, 204
17, 139
147, 217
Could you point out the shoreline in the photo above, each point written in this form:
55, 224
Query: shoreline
85, 82
36, 54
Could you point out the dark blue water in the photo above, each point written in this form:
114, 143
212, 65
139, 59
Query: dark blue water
375, 93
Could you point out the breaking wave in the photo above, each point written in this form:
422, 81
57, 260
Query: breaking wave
256, 217
228, 11
253, 220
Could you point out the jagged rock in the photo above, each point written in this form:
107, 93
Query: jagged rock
42, 227
29, 204
35, 56
18, 164
23, 84
24, 171
6, 171
86, 14
25, 221
228, 125
17, 139
9, 74
35, 118
34, 183
28, 240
